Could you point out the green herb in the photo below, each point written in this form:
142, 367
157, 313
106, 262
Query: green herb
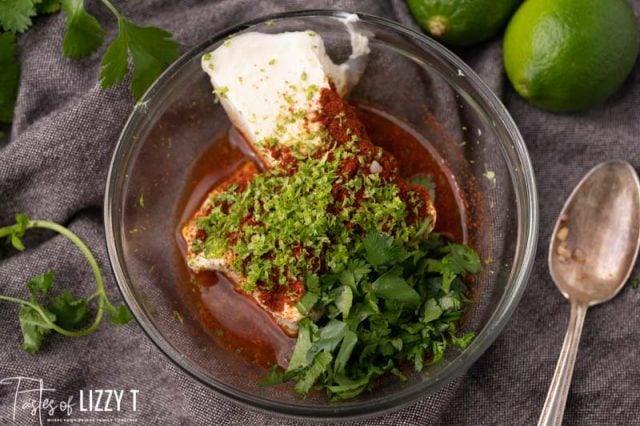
84, 33
634, 283
151, 50
273, 378
15, 15
272, 62
221, 92
148, 49
9, 76
300, 211
64, 313
47, 6
397, 309
490, 175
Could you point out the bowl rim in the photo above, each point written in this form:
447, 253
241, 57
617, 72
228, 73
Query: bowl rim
527, 231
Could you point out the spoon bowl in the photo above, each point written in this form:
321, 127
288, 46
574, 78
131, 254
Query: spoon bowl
593, 249
595, 241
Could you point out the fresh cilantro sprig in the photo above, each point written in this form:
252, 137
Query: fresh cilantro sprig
147, 50
393, 303
65, 313
151, 50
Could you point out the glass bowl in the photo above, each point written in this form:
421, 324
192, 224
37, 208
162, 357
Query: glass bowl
408, 76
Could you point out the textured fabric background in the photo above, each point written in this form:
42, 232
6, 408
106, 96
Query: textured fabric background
55, 166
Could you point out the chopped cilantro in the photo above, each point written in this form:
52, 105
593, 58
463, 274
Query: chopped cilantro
380, 315
490, 175
387, 292
221, 92
634, 282
300, 211
272, 62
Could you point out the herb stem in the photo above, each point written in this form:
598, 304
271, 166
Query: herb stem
112, 8
93, 263
16, 300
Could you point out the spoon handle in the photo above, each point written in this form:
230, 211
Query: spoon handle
553, 410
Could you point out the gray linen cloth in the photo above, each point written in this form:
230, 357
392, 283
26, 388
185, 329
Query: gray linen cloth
55, 164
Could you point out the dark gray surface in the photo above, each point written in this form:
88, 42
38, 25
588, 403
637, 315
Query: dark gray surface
55, 168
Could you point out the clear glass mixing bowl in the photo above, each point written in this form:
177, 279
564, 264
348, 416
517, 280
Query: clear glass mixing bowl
433, 91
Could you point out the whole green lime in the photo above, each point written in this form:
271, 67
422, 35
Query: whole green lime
462, 22
569, 55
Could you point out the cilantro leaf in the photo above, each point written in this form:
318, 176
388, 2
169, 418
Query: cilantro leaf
464, 340
463, 259
346, 348
344, 301
393, 288
381, 249
40, 284
114, 64
349, 388
152, 50
303, 344
312, 282
120, 315
437, 351
9, 76
275, 377
15, 15
17, 231
84, 34
16, 242
70, 311
330, 337
432, 311
34, 328
47, 6
319, 366
306, 302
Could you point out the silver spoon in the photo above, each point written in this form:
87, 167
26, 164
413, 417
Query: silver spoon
592, 252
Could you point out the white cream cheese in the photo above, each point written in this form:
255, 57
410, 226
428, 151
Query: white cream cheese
269, 85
